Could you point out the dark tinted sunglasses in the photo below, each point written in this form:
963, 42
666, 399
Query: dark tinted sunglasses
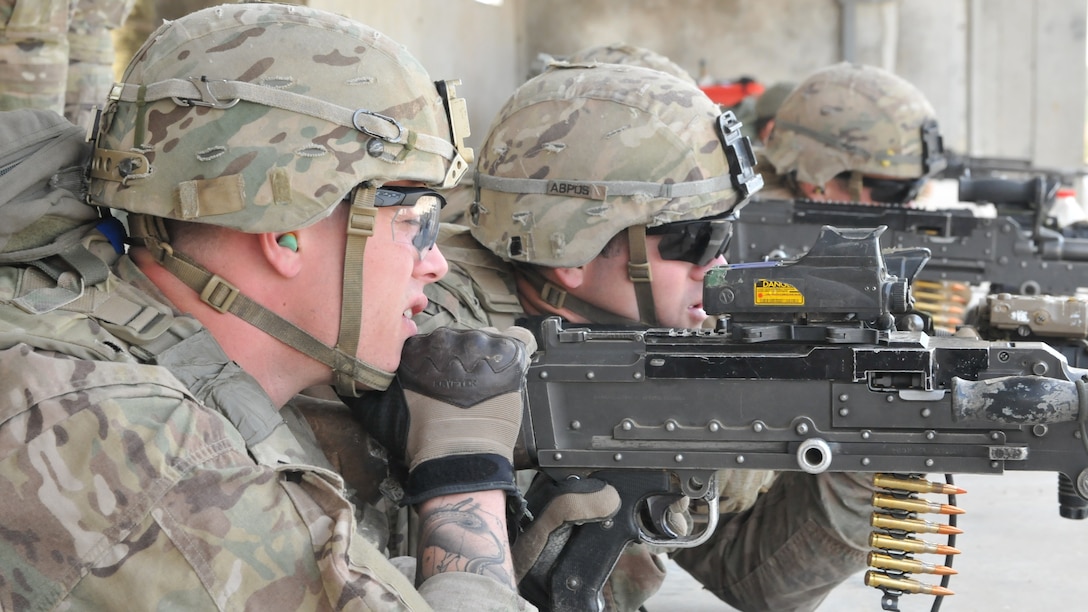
698, 242
891, 191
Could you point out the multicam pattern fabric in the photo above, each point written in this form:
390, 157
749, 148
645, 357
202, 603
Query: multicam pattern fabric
256, 167
802, 538
33, 54
121, 489
771, 99
58, 54
41, 214
91, 55
623, 53
775, 186
631, 123
850, 117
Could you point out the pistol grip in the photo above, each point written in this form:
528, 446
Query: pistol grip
581, 570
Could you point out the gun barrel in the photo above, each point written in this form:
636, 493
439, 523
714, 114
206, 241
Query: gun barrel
1015, 400
1064, 249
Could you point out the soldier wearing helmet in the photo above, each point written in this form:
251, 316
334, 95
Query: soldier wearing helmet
276, 166
604, 192
851, 132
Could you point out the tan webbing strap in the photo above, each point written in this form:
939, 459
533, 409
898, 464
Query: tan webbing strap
638, 270
141, 118
196, 91
360, 227
558, 298
86, 270
221, 295
855, 185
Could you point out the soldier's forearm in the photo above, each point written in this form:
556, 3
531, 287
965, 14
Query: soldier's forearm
465, 533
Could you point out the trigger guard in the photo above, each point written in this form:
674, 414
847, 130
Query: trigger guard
657, 506
690, 541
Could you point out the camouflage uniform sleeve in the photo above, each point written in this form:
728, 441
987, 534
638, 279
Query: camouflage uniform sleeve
33, 54
119, 491
800, 540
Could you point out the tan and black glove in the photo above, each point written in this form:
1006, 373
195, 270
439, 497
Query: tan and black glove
459, 416
556, 507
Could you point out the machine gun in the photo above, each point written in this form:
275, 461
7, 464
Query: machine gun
959, 165
1015, 251
1060, 321
807, 371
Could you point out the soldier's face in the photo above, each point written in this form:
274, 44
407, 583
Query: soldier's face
677, 286
835, 190
874, 189
394, 275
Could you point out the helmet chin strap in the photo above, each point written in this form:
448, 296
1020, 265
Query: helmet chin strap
638, 271
360, 227
352, 376
855, 185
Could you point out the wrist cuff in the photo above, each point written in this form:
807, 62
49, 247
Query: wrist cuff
459, 474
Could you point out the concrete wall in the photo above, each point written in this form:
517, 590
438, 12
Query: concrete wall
1027, 83
478, 43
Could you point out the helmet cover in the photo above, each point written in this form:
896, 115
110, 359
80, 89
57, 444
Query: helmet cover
853, 117
262, 117
579, 153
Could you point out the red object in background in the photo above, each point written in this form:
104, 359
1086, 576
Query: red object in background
730, 93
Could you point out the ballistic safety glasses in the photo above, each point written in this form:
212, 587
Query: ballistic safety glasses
699, 241
416, 220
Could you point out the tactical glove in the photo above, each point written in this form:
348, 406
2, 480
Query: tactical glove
557, 507
459, 416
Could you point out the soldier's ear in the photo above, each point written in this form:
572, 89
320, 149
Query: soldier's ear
570, 278
282, 252
810, 191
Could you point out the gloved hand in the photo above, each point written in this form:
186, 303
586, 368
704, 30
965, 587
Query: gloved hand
556, 508
459, 417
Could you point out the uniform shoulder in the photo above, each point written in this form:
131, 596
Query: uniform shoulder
478, 291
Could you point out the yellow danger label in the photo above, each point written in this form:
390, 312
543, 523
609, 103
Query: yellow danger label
777, 293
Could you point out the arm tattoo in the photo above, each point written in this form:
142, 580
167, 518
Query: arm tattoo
462, 537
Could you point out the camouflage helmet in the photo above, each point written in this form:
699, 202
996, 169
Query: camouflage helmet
262, 117
852, 117
768, 103
581, 152
623, 53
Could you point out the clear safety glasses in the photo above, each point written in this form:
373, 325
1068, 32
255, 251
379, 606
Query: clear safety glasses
416, 220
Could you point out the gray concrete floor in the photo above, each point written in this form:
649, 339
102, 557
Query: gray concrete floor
1017, 554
